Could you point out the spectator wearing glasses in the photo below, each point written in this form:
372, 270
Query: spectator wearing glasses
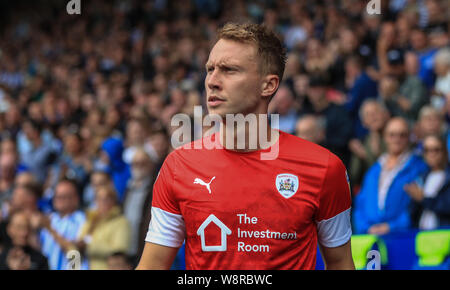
382, 204
431, 192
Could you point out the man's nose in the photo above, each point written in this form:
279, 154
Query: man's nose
213, 80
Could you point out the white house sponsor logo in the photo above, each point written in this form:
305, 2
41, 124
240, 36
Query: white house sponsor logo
224, 231
286, 184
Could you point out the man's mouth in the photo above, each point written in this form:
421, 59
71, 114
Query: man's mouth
215, 101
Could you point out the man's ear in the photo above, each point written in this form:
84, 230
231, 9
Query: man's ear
269, 86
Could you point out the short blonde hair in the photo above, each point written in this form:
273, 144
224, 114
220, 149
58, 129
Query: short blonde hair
270, 50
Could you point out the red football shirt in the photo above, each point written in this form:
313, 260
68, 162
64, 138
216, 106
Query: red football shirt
236, 211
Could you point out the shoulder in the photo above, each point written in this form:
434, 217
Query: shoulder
194, 151
376, 166
34, 254
79, 216
121, 221
417, 163
294, 147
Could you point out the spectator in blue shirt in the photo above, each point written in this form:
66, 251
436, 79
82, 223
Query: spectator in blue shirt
62, 226
382, 205
420, 44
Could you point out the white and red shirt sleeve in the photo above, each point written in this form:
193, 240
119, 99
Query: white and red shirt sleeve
167, 227
333, 214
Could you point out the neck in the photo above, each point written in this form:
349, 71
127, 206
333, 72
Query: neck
376, 133
250, 133
65, 213
437, 168
36, 142
140, 181
396, 155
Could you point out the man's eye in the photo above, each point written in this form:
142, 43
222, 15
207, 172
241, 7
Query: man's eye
209, 69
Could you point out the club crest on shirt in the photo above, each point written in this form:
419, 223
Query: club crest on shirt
286, 184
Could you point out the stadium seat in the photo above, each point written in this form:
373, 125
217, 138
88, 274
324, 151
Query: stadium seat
433, 249
362, 244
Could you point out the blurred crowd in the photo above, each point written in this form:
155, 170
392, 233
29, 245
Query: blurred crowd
86, 103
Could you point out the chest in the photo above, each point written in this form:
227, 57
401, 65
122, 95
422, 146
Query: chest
249, 195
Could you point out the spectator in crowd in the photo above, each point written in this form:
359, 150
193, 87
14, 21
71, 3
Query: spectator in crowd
111, 161
318, 59
105, 232
360, 86
421, 46
138, 198
8, 165
73, 161
366, 152
19, 255
25, 178
97, 180
338, 123
431, 192
311, 128
61, 228
300, 85
119, 261
113, 121
382, 205
42, 154
25, 199
137, 135
442, 70
343, 73
388, 51
412, 91
13, 120
8, 147
283, 105
389, 95
430, 122
9, 168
